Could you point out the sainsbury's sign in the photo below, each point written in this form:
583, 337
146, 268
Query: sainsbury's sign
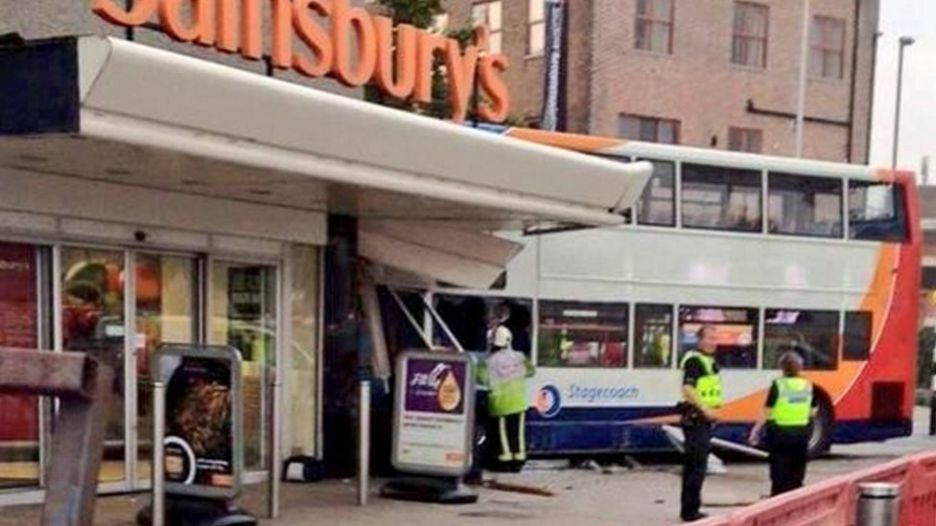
398, 60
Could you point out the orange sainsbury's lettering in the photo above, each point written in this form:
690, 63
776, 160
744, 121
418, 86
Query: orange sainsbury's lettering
356, 48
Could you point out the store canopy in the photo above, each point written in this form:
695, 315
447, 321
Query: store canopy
112, 110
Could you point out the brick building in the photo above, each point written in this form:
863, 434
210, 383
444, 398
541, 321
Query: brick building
712, 73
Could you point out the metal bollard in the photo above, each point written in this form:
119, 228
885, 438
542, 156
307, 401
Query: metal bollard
878, 503
364, 396
159, 463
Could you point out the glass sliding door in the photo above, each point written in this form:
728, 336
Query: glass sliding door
166, 311
20, 324
93, 321
243, 300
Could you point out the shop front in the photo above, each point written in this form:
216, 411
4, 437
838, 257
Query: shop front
150, 197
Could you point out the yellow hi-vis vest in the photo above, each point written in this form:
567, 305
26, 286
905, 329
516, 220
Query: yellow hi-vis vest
794, 400
708, 386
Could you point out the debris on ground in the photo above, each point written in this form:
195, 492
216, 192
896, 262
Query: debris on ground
518, 488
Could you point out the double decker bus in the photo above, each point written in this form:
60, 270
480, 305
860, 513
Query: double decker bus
776, 253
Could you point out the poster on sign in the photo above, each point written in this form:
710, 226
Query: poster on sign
434, 413
203, 442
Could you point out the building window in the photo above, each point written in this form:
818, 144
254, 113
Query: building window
749, 38
857, 336
827, 47
804, 206
536, 27
720, 198
749, 140
580, 334
489, 14
653, 336
735, 333
811, 334
650, 129
654, 31
657, 205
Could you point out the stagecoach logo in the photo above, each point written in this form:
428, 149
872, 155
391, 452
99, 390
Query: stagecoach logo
548, 401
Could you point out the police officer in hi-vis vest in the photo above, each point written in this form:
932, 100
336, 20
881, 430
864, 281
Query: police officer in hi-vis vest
505, 372
787, 414
702, 396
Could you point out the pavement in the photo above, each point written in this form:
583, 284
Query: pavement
647, 494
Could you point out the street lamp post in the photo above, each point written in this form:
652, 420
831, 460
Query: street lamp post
904, 42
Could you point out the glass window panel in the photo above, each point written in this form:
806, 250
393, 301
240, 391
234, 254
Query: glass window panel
644, 6
808, 206
735, 330
165, 313
857, 335
648, 130
876, 212
302, 396
243, 315
812, 334
657, 204
659, 38
470, 317
93, 322
494, 18
537, 38
642, 34
721, 198
536, 10
582, 334
668, 133
653, 336
629, 127
496, 42
19, 329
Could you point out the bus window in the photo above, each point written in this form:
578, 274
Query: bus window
857, 335
653, 336
582, 334
721, 198
876, 212
657, 205
804, 206
468, 318
813, 334
735, 329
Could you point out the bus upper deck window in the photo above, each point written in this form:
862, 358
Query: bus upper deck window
876, 212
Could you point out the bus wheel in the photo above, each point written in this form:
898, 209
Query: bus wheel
821, 437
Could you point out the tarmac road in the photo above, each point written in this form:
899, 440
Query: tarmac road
647, 495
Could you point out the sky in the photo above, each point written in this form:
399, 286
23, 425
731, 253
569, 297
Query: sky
915, 18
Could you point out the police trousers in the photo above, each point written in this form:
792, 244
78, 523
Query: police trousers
697, 446
789, 453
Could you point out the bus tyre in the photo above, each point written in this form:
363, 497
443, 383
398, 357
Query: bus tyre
821, 436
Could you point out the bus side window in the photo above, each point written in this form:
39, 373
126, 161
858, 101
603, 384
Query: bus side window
657, 205
857, 336
876, 212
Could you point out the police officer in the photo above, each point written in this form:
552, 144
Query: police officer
505, 372
787, 413
702, 396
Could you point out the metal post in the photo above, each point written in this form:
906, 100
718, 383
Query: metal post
364, 396
803, 79
904, 42
932, 403
159, 465
878, 503
276, 462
